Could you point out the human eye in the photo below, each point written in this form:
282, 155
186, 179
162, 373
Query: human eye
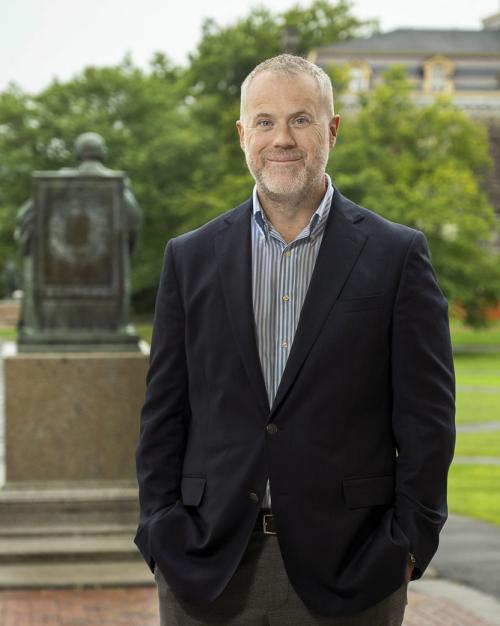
264, 123
302, 120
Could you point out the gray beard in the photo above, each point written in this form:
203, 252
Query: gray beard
287, 196
290, 190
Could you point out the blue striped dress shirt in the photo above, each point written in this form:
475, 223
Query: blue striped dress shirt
281, 274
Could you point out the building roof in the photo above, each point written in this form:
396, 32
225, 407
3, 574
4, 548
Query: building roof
428, 41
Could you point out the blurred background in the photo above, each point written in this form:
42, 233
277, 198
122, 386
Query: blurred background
417, 86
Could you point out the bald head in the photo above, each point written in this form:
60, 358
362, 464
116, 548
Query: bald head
291, 65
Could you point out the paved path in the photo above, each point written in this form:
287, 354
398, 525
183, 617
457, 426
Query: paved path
478, 427
476, 460
138, 607
478, 388
442, 603
90, 607
469, 553
476, 348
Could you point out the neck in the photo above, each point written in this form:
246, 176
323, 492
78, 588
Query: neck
290, 214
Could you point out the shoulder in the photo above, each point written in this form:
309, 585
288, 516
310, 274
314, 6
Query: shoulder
204, 234
381, 229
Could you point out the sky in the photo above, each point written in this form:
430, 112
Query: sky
44, 39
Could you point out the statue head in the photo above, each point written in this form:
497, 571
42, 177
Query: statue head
90, 146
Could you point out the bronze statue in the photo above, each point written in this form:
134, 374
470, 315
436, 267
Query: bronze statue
76, 234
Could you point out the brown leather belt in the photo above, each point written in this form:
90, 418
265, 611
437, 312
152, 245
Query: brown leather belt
265, 523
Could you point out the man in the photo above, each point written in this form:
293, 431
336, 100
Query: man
300, 367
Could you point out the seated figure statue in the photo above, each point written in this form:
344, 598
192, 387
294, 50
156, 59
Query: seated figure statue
63, 233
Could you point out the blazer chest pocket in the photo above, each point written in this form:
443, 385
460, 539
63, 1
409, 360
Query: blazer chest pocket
192, 489
365, 303
368, 491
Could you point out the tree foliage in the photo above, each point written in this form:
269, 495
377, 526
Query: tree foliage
149, 133
172, 129
424, 166
226, 54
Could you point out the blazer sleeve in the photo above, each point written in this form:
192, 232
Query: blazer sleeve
162, 440
423, 387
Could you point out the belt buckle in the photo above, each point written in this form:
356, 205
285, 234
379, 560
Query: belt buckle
265, 522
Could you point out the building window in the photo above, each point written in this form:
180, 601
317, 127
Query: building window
438, 79
359, 77
438, 75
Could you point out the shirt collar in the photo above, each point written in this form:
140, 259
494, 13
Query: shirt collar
319, 216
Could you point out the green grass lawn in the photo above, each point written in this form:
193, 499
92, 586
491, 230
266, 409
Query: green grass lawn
7, 334
474, 365
477, 407
464, 336
144, 331
474, 491
479, 444
475, 372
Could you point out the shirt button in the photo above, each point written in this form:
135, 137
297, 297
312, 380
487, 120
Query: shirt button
272, 429
288, 253
284, 344
285, 298
253, 496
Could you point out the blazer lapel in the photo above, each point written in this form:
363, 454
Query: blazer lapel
234, 255
340, 247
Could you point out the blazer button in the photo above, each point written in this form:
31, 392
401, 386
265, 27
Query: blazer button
253, 496
272, 429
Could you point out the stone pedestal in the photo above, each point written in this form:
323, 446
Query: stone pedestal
72, 417
69, 506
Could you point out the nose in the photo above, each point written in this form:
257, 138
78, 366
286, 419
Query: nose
283, 136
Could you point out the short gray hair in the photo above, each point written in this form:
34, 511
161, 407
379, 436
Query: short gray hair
291, 65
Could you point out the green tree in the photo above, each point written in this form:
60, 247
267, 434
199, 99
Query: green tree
423, 166
149, 131
171, 129
226, 54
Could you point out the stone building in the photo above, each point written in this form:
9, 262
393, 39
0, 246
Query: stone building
464, 64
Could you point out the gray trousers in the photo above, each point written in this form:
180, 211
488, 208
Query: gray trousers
259, 594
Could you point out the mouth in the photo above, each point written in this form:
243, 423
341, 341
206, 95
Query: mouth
283, 161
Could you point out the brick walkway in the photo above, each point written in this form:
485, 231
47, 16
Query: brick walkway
138, 607
86, 607
425, 610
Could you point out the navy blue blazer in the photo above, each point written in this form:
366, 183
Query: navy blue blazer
364, 414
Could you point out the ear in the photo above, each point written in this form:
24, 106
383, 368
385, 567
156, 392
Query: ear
333, 128
241, 134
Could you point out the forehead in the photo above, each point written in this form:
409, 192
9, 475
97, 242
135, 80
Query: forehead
275, 90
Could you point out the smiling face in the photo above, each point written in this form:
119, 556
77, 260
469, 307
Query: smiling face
286, 132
